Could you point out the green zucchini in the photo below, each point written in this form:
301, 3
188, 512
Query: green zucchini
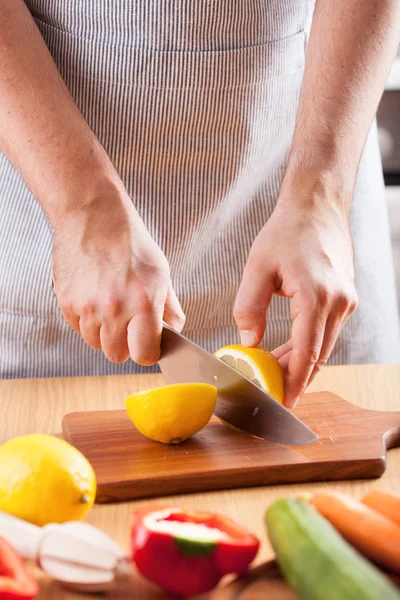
316, 561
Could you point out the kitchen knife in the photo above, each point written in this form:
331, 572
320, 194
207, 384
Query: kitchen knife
239, 402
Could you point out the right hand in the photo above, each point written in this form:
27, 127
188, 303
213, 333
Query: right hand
111, 280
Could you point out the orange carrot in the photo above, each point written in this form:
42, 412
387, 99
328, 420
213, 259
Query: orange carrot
373, 534
386, 503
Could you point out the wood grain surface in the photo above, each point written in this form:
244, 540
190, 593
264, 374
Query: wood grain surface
351, 445
39, 406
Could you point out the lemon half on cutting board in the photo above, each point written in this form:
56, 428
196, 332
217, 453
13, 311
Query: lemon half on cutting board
172, 413
258, 365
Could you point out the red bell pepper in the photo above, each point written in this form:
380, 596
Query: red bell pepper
187, 553
16, 583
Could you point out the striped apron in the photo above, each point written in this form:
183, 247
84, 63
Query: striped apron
195, 103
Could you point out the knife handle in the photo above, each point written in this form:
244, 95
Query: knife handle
23, 536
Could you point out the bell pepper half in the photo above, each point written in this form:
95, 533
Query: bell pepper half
187, 553
16, 583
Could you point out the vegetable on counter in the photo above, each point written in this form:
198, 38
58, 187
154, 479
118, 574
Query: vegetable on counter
16, 583
187, 553
316, 561
385, 503
373, 534
44, 480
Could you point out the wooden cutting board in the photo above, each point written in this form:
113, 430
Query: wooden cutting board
352, 445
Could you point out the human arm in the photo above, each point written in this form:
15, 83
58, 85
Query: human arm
112, 281
305, 250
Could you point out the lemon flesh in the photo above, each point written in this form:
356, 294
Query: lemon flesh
43, 479
258, 365
172, 413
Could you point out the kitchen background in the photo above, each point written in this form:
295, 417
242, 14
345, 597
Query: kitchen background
389, 135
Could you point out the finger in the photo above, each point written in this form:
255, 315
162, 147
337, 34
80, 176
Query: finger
334, 325
70, 316
114, 340
90, 331
280, 351
144, 337
251, 304
284, 360
173, 313
309, 319
72, 320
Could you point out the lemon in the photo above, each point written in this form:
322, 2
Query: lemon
258, 365
172, 413
43, 479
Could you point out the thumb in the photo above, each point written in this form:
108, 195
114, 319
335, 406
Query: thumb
173, 313
252, 301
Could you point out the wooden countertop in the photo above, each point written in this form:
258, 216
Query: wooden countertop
28, 406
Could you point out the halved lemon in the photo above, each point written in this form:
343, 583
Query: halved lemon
172, 413
258, 365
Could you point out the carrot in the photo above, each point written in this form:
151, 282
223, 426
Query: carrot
385, 503
371, 533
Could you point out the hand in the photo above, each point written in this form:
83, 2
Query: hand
111, 279
304, 252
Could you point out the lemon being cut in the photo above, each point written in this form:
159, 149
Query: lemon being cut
43, 479
258, 365
172, 413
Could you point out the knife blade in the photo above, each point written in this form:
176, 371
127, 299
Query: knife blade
239, 401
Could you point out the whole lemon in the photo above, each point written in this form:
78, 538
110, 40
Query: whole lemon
43, 479
172, 413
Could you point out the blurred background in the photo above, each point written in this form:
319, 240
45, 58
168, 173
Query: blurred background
389, 136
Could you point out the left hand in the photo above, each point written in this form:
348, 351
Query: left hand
304, 252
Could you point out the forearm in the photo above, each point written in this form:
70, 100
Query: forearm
42, 132
351, 48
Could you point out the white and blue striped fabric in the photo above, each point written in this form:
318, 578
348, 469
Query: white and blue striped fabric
195, 103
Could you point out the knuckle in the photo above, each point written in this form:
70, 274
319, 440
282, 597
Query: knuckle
308, 358
248, 313
178, 322
158, 274
150, 300
111, 306
320, 363
324, 295
341, 303
347, 300
87, 308
353, 303
145, 304
312, 357
240, 311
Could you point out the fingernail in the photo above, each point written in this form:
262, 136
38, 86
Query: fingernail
291, 403
248, 338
